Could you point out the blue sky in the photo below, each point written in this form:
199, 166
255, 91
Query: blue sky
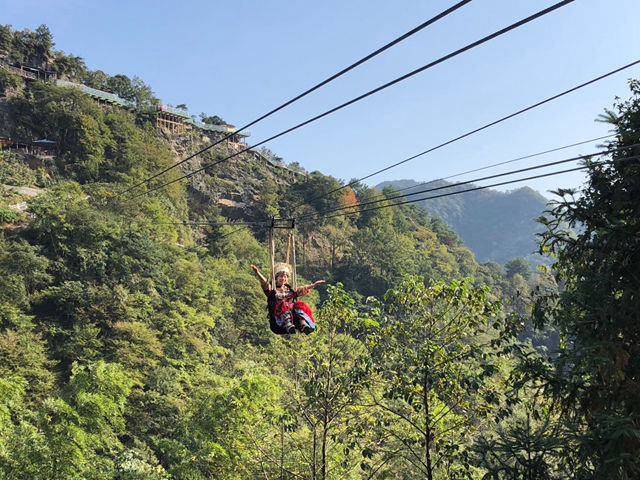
239, 59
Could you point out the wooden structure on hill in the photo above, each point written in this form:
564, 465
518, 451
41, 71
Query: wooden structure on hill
31, 73
175, 120
39, 148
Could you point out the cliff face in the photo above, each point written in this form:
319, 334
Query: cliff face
234, 185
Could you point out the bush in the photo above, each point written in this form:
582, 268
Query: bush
14, 172
8, 216
9, 81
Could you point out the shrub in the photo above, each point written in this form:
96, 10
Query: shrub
8, 216
14, 172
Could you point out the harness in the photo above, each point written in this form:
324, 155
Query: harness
291, 248
272, 301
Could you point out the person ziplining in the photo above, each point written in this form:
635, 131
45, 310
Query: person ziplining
286, 313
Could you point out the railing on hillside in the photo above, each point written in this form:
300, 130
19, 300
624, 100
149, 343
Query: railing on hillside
99, 94
19, 71
30, 72
226, 129
114, 99
180, 112
209, 127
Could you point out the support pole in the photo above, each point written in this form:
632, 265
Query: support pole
294, 276
272, 254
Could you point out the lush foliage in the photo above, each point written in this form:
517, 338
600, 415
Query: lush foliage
482, 217
136, 346
597, 372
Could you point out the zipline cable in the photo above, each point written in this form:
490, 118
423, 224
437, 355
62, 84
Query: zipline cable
486, 167
232, 232
472, 132
442, 187
559, 172
371, 92
310, 90
218, 224
320, 215
386, 199
484, 187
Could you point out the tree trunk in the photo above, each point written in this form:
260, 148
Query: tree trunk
325, 418
314, 458
304, 250
333, 255
281, 452
324, 447
427, 430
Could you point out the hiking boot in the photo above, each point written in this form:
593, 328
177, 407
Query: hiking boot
307, 329
289, 328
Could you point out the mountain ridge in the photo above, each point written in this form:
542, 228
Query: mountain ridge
496, 226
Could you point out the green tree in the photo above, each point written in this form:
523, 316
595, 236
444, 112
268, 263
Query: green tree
338, 241
433, 361
82, 427
223, 434
327, 393
96, 79
71, 436
23, 354
519, 295
72, 119
122, 86
267, 204
70, 66
42, 43
32, 48
445, 233
6, 37
518, 265
211, 119
142, 93
15, 172
597, 369
528, 445
9, 81
315, 191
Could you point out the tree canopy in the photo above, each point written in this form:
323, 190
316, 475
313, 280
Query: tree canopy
134, 342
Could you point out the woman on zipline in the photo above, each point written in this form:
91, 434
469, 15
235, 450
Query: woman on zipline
286, 313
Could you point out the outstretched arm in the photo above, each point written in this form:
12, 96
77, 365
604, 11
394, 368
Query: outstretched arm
264, 283
305, 289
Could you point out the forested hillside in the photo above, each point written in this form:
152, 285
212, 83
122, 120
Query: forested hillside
134, 341
496, 226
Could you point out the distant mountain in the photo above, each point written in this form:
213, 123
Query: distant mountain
495, 225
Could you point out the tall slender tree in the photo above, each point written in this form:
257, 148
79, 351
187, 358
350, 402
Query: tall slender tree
430, 352
595, 234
